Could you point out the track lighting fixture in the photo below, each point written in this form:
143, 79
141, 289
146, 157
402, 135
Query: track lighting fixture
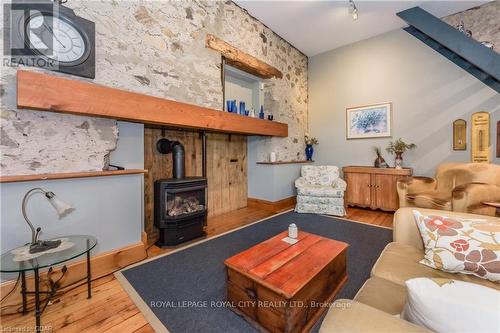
353, 10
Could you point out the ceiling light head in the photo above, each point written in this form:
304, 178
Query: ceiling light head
353, 10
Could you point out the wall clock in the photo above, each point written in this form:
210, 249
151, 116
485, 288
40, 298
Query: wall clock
64, 40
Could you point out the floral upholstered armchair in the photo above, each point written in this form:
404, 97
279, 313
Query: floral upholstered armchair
320, 191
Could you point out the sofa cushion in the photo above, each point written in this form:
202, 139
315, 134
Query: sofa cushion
327, 209
320, 191
320, 200
463, 245
322, 175
382, 294
399, 262
443, 305
350, 316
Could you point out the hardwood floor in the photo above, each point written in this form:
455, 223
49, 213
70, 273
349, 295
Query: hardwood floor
111, 310
366, 215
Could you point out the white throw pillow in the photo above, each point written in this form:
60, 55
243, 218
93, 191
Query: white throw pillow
461, 245
447, 306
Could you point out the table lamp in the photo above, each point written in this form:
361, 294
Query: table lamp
62, 210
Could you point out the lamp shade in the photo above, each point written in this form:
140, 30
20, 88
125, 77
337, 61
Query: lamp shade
61, 207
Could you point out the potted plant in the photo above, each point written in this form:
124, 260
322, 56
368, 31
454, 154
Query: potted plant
398, 147
379, 161
310, 142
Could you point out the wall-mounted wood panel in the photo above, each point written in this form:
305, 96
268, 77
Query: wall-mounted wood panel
226, 170
44, 92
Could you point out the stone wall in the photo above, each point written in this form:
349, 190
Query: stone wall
483, 21
156, 48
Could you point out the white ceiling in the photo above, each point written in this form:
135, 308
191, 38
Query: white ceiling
318, 26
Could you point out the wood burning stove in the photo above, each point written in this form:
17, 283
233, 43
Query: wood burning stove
180, 210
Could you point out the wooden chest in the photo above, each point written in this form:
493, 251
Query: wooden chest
279, 287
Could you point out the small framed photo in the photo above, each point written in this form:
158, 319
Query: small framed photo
371, 121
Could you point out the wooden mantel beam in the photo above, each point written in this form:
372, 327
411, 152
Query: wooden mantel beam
242, 60
38, 91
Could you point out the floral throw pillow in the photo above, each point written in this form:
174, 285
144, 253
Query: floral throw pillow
459, 245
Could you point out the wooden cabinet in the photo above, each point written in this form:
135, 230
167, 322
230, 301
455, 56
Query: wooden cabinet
373, 187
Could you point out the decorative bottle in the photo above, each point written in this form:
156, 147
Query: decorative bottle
261, 113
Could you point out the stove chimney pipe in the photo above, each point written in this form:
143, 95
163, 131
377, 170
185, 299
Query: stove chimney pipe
178, 160
166, 146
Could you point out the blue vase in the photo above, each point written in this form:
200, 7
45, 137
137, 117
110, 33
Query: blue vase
242, 107
261, 113
309, 152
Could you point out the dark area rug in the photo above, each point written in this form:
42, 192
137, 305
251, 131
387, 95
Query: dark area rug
197, 274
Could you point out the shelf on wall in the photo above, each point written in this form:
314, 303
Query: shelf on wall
68, 175
43, 92
285, 162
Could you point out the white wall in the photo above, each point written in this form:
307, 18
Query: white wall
109, 208
269, 182
428, 93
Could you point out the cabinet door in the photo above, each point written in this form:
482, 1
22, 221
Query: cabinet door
386, 194
358, 189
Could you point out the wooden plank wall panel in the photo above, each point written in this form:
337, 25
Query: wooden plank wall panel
227, 181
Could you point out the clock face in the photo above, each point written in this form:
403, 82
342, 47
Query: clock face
69, 45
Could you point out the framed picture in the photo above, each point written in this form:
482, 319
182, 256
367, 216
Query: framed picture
372, 121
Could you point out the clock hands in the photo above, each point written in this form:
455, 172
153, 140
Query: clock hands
53, 34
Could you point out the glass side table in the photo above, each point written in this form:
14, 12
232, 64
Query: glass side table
19, 260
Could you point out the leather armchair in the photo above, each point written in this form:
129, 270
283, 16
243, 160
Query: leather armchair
460, 187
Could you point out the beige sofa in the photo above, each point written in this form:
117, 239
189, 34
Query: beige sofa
459, 187
384, 295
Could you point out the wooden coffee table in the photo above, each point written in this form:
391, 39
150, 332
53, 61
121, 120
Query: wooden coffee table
279, 287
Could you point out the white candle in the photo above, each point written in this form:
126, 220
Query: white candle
293, 231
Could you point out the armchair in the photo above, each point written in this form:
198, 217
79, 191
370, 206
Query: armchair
320, 191
460, 187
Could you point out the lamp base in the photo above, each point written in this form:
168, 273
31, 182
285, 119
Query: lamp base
41, 246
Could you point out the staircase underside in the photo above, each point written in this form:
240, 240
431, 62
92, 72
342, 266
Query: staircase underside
468, 54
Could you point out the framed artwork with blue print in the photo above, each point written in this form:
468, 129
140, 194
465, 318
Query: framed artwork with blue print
371, 121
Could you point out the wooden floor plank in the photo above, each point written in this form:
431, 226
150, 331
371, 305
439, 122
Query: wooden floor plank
111, 310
